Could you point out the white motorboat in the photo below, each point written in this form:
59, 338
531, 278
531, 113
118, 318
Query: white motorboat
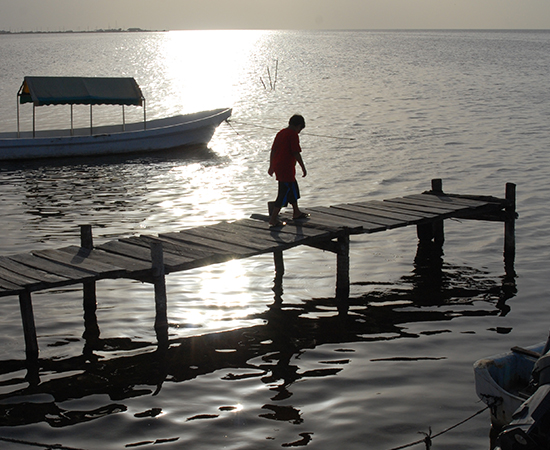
159, 134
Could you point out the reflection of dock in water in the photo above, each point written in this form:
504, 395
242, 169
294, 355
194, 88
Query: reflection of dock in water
267, 353
150, 258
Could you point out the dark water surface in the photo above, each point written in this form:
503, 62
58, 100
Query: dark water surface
250, 365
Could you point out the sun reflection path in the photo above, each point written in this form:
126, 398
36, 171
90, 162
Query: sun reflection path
216, 297
203, 67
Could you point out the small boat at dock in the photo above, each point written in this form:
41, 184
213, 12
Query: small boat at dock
516, 387
147, 136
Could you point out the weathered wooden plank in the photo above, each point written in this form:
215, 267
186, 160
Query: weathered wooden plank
222, 248
171, 260
131, 265
318, 216
128, 250
425, 201
397, 208
175, 257
14, 283
376, 211
30, 273
18, 280
70, 273
416, 206
175, 247
212, 236
293, 234
363, 216
78, 258
7, 285
447, 200
263, 236
293, 227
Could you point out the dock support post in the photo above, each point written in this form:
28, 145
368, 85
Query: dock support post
29, 329
342, 268
433, 231
91, 328
161, 309
86, 238
510, 230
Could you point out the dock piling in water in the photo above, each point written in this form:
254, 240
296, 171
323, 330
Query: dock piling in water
159, 281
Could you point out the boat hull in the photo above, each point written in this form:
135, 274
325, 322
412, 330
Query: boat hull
498, 380
161, 134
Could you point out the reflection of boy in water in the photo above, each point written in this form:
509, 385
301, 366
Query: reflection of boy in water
285, 152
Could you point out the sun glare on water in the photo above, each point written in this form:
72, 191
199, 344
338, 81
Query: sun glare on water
203, 67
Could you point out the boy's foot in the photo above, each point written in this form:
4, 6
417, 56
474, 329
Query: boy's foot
278, 224
302, 216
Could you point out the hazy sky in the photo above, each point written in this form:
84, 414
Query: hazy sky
50, 15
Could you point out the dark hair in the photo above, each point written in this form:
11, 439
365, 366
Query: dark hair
297, 121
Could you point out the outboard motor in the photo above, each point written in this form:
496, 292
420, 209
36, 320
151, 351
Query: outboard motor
530, 427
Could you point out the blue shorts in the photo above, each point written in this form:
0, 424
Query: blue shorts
288, 193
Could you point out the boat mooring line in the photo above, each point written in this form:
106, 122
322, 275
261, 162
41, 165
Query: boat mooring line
37, 444
304, 134
428, 437
427, 440
236, 132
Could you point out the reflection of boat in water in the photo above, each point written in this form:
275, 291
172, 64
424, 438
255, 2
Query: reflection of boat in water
159, 134
516, 386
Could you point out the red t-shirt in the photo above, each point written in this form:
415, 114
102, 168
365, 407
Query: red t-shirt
285, 145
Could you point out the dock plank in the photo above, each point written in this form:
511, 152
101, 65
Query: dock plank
399, 208
363, 216
75, 275
263, 236
178, 261
32, 274
373, 211
429, 200
19, 280
133, 267
174, 247
127, 250
221, 248
213, 236
76, 257
7, 285
171, 260
415, 205
446, 199
291, 235
293, 227
334, 223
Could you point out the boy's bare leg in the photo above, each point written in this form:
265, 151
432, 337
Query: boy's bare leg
274, 218
296, 211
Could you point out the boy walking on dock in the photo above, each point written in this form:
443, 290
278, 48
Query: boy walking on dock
285, 153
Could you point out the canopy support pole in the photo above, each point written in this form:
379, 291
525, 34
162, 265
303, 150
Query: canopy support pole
72, 129
91, 125
123, 120
18, 132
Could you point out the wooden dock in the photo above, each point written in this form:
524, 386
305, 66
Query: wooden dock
150, 258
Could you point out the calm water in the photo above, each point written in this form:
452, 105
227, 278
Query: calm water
385, 112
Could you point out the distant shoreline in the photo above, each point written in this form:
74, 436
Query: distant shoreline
110, 30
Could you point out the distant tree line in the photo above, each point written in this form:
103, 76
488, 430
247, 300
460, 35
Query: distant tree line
109, 30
